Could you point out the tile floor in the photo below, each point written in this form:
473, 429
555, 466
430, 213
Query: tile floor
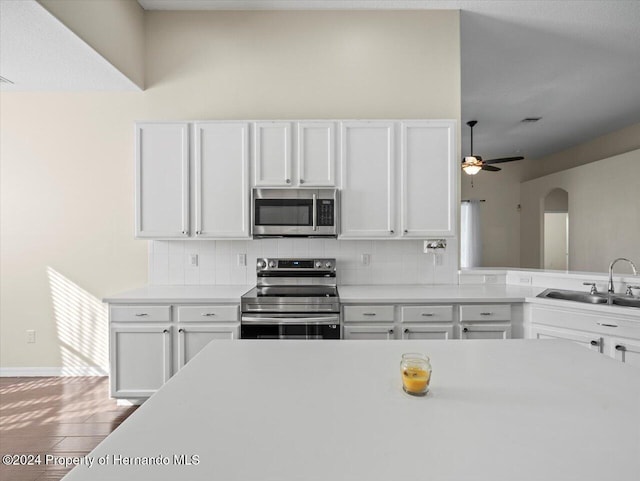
64, 416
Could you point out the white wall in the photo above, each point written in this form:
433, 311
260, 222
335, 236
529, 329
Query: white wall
604, 213
67, 158
555, 240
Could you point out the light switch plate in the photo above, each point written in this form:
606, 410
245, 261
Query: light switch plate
193, 260
242, 260
365, 259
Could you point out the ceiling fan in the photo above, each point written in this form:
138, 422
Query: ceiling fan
474, 163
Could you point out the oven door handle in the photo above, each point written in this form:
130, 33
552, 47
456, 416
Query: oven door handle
290, 320
314, 215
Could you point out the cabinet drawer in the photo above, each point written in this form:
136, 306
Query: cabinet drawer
368, 313
426, 313
207, 313
485, 312
140, 313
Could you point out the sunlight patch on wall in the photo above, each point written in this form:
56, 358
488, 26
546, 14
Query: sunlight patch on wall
82, 326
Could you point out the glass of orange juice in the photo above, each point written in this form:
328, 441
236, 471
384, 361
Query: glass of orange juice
415, 369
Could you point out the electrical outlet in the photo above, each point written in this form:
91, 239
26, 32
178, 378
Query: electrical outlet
193, 260
365, 259
490, 279
525, 280
31, 336
242, 260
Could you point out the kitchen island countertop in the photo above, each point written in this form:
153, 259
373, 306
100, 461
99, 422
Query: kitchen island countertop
318, 410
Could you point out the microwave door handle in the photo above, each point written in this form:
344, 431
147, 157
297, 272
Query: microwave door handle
315, 212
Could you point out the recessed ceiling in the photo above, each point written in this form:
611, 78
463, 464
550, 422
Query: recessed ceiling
38, 52
576, 64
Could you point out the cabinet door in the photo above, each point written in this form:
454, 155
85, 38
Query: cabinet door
368, 192
377, 332
485, 331
272, 154
162, 180
222, 179
625, 350
191, 339
586, 339
140, 359
428, 178
427, 332
316, 154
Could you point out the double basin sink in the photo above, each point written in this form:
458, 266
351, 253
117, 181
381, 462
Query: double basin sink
585, 297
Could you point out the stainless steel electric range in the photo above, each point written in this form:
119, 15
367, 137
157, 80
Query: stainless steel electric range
293, 299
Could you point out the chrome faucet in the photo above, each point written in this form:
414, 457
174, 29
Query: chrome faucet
633, 267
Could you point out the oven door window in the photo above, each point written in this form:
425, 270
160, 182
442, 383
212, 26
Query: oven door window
285, 212
290, 331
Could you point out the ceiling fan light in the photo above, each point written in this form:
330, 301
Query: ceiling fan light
471, 165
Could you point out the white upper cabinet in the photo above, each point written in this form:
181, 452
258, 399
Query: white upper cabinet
162, 180
428, 203
222, 180
368, 166
272, 154
316, 154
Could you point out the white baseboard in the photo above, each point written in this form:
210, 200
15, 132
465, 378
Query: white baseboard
52, 371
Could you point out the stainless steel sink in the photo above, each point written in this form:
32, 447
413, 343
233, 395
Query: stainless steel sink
585, 297
574, 296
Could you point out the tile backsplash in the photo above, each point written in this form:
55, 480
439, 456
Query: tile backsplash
390, 262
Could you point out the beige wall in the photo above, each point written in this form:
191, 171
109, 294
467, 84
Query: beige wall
67, 158
604, 212
114, 28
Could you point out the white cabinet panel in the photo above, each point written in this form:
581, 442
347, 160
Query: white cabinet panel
485, 312
368, 167
162, 180
427, 332
589, 340
428, 178
193, 338
426, 313
316, 153
140, 359
222, 179
272, 154
368, 313
140, 313
208, 313
625, 350
369, 332
485, 331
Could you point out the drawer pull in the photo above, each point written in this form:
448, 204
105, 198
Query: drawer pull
368, 313
390, 331
486, 313
165, 331
427, 314
180, 330
465, 329
607, 325
406, 331
620, 347
595, 343
142, 314
208, 314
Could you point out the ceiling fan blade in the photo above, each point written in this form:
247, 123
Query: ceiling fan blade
491, 168
504, 159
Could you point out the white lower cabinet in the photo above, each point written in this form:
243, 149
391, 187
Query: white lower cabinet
192, 338
430, 332
485, 331
144, 353
140, 359
382, 331
616, 335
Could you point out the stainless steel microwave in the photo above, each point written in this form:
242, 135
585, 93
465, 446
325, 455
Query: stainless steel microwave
294, 212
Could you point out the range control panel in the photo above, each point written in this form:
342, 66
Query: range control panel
315, 265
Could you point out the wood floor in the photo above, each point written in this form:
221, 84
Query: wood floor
62, 416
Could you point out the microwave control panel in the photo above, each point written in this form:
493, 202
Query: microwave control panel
325, 212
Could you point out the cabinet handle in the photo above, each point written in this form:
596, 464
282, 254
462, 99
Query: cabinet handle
465, 330
288, 181
607, 325
391, 231
427, 314
406, 231
208, 314
302, 181
142, 314
180, 330
165, 331
406, 331
368, 313
390, 331
595, 343
620, 347
184, 232
486, 313
198, 232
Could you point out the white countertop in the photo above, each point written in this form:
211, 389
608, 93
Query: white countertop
521, 410
436, 293
179, 294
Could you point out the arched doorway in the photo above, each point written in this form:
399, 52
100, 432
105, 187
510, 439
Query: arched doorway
556, 230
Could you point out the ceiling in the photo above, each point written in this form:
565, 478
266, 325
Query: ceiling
575, 63
38, 52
